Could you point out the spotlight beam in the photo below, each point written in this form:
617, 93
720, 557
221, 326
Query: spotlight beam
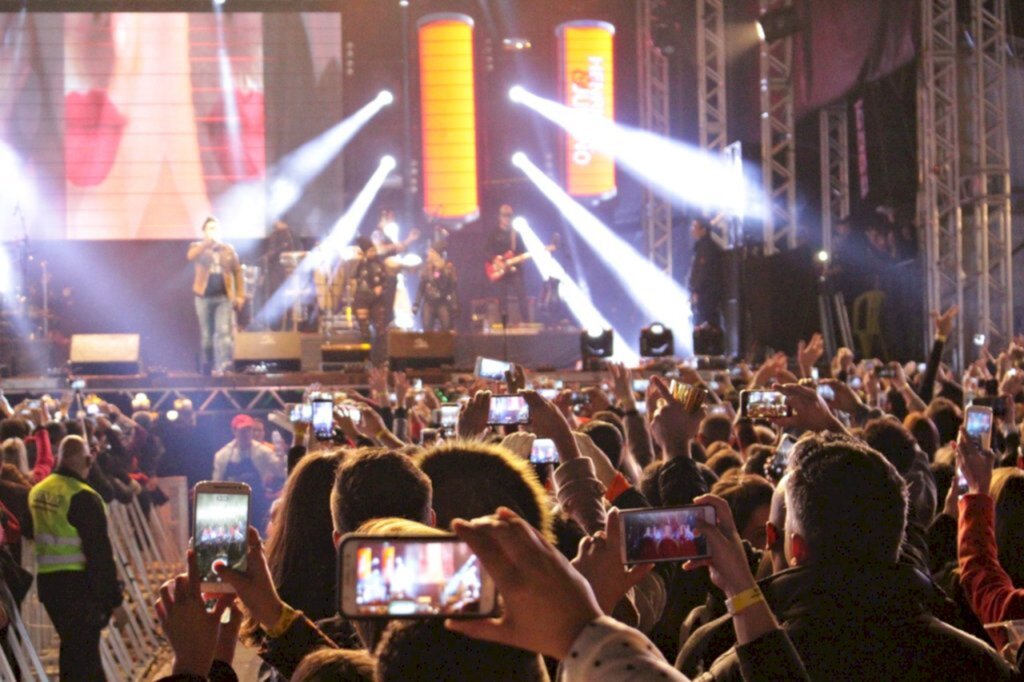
686, 175
658, 295
289, 177
327, 255
579, 303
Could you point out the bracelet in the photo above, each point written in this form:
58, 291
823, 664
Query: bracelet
631, 413
744, 600
284, 621
940, 337
382, 433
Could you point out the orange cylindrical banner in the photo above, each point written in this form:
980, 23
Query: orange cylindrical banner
448, 112
587, 83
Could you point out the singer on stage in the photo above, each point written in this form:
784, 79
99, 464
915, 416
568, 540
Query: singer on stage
504, 243
219, 291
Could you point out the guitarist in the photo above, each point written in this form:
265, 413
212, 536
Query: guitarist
505, 242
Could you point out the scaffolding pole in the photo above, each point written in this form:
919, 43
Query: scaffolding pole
654, 117
939, 159
834, 131
712, 105
778, 134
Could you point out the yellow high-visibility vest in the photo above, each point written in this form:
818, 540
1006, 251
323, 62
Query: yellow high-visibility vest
58, 545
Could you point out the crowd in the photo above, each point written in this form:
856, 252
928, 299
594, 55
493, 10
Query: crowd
859, 534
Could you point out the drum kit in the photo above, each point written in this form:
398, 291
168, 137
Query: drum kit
322, 297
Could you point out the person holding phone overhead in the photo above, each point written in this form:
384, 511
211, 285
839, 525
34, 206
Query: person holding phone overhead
219, 291
244, 460
77, 577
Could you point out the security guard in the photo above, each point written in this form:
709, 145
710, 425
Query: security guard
77, 580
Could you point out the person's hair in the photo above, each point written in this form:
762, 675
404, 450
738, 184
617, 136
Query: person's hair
15, 453
411, 651
610, 417
715, 428
71, 445
715, 448
757, 459
606, 438
1007, 492
724, 460
765, 434
744, 493
897, 404
14, 427
846, 500
946, 416
924, 432
473, 479
206, 221
887, 436
374, 483
944, 475
673, 483
336, 665
57, 432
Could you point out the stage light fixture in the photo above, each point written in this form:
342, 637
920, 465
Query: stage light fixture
596, 345
516, 44
777, 24
657, 341
519, 159
388, 162
822, 256
403, 3
385, 98
516, 93
172, 415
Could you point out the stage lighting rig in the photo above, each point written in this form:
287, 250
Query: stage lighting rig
777, 24
596, 345
519, 159
516, 93
516, 44
385, 98
657, 341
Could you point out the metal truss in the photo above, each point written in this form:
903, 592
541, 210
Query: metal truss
834, 131
985, 176
778, 130
654, 117
939, 159
712, 109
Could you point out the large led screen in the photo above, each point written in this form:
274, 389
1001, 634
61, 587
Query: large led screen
134, 125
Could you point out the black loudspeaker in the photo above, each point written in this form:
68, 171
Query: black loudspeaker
420, 349
268, 351
98, 354
780, 299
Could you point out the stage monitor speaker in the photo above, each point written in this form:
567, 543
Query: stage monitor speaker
268, 351
98, 354
419, 350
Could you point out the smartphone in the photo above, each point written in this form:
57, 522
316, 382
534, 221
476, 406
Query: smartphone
777, 469
979, 340
548, 393
961, 483
507, 410
669, 534
300, 412
978, 423
826, 392
36, 404
718, 409
544, 452
220, 523
486, 368
640, 385
417, 385
856, 384
78, 385
430, 436
323, 417
435, 576
90, 409
921, 367
757, 404
886, 373
448, 417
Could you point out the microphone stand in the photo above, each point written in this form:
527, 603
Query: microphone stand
504, 335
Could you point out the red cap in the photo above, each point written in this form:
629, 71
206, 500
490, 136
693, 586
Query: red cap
242, 421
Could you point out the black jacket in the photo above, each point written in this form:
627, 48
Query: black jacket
707, 276
871, 622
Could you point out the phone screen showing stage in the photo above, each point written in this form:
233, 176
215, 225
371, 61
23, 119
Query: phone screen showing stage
323, 419
419, 578
507, 410
653, 535
486, 368
222, 520
979, 423
544, 452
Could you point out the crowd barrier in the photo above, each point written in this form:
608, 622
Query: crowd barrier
148, 551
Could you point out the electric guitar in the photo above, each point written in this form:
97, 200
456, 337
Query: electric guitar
502, 264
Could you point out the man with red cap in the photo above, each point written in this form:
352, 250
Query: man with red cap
245, 460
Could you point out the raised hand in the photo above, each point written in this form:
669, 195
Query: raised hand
944, 322
473, 416
599, 559
808, 354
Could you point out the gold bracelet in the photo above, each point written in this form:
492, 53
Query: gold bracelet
380, 434
744, 600
284, 621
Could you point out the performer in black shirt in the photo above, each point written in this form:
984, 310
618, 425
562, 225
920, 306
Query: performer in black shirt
505, 242
707, 284
369, 303
437, 297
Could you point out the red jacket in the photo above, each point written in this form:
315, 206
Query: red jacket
989, 590
44, 454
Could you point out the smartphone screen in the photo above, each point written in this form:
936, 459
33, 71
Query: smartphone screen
301, 412
979, 424
652, 535
548, 393
92, 408
449, 417
544, 452
777, 469
640, 385
826, 392
413, 577
507, 410
323, 419
763, 404
351, 411
486, 368
221, 522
